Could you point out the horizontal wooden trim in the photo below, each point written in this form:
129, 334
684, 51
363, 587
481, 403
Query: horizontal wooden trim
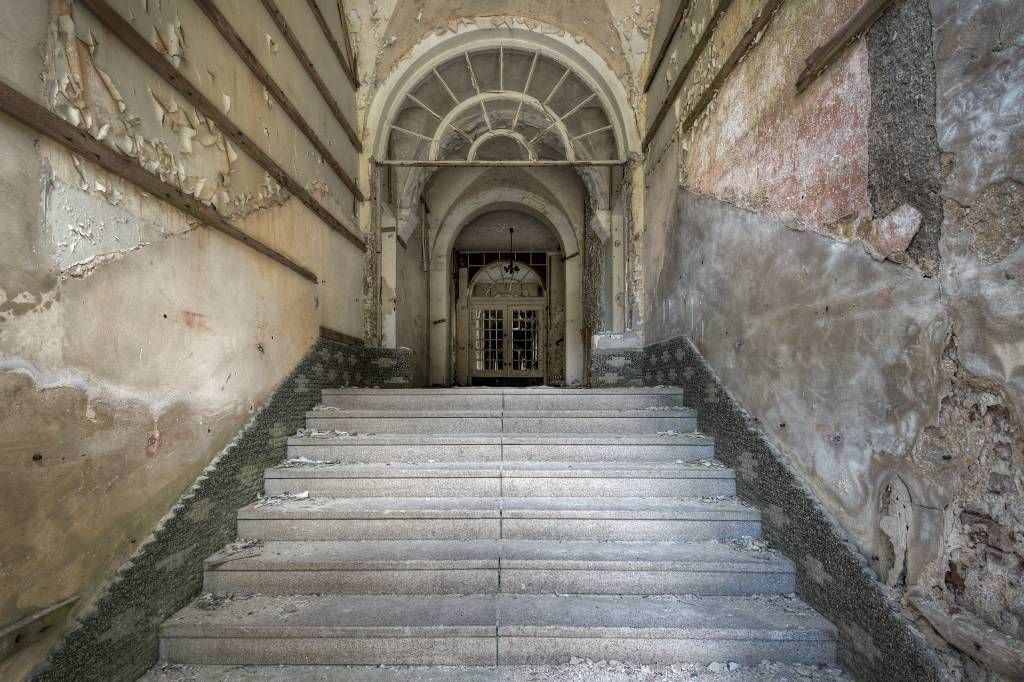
761, 21
231, 36
684, 73
341, 337
333, 42
124, 31
854, 27
682, 8
307, 64
45, 122
33, 627
348, 39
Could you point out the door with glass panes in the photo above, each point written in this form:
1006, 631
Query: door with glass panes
507, 339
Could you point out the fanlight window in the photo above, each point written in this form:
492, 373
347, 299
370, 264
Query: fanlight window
499, 280
502, 103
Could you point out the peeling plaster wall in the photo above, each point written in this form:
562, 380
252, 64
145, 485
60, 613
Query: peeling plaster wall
849, 262
134, 342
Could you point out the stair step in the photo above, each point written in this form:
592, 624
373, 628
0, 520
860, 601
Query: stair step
442, 447
511, 479
474, 518
491, 629
498, 399
484, 566
496, 421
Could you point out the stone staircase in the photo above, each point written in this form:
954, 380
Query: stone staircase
483, 527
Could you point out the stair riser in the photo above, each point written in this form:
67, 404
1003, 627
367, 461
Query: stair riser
599, 424
510, 487
493, 453
397, 453
387, 487
366, 650
509, 650
489, 528
370, 529
558, 650
497, 402
626, 530
425, 425
555, 581
607, 453
470, 581
618, 487
486, 581
430, 425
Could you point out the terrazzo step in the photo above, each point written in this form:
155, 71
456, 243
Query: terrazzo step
487, 566
511, 479
478, 518
493, 629
498, 399
447, 447
648, 421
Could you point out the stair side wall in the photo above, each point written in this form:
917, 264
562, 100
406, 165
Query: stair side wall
116, 638
875, 641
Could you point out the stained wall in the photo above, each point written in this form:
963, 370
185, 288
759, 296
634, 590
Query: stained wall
848, 261
135, 342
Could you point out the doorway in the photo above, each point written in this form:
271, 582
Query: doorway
507, 322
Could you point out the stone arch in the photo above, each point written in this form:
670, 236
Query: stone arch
461, 214
436, 50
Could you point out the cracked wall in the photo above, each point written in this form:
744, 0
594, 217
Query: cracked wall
135, 342
848, 261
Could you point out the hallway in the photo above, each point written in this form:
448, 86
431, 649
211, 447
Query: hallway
554, 339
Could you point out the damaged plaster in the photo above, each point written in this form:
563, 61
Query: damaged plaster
849, 261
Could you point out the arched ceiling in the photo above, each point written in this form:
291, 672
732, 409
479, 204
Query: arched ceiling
502, 103
489, 232
601, 23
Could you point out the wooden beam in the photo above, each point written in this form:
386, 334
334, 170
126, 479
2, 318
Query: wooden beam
33, 627
684, 73
760, 23
345, 34
124, 31
231, 36
333, 42
682, 7
45, 122
307, 64
848, 33
971, 635
456, 163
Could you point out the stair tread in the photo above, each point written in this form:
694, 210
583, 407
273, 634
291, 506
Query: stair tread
774, 617
507, 438
495, 507
487, 390
322, 412
367, 555
500, 468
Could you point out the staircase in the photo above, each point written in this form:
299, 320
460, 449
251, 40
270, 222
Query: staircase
487, 527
